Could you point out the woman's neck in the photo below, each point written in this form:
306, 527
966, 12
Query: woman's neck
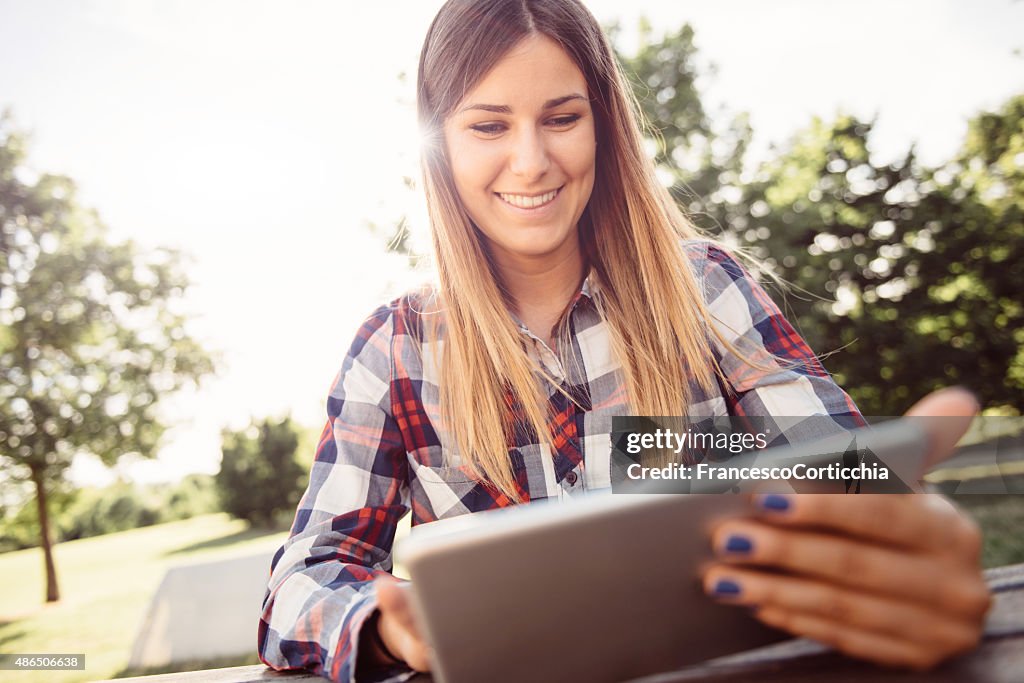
541, 288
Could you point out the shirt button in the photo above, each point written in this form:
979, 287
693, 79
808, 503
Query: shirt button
571, 478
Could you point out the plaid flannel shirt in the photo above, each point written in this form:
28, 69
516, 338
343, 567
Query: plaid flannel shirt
379, 456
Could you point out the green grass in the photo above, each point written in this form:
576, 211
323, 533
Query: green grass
1001, 518
106, 584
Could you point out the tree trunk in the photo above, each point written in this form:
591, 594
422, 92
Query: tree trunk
52, 591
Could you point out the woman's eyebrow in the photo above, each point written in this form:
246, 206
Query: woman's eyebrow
505, 109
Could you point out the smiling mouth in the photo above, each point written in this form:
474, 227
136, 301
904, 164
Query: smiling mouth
522, 201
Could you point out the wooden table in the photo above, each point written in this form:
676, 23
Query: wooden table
999, 658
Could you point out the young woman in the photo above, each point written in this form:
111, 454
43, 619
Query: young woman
571, 289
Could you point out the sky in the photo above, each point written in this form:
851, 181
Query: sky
262, 137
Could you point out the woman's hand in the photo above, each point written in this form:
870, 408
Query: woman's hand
397, 627
894, 579
889, 578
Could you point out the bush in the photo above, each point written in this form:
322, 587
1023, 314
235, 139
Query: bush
260, 480
19, 519
19, 527
103, 511
195, 495
88, 512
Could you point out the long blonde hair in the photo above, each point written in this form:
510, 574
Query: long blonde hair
631, 234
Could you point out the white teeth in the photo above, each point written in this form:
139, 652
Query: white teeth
524, 202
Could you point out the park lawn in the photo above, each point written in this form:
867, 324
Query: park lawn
106, 584
1001, 518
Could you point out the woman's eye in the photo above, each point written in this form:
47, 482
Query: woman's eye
564, 121
488, 128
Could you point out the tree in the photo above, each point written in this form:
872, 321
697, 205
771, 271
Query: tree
259, 478
915, 271
909, 275
90, 335
699, 160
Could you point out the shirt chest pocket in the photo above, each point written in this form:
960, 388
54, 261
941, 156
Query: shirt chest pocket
448, 487
440, 491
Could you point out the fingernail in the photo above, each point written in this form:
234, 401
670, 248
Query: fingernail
726, 588
774, 502
738, 544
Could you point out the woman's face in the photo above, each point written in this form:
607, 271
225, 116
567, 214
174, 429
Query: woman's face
522, 147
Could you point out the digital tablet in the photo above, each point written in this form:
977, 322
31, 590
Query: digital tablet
603, 588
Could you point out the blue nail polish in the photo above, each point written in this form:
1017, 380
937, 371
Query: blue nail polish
775, 502
727, 587
738, 544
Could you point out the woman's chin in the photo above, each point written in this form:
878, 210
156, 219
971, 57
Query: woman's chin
537, 243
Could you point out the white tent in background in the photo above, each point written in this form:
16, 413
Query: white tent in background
203, 612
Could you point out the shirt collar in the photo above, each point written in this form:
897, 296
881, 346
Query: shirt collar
588, 289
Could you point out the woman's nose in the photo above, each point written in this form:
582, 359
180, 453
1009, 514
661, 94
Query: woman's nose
529, 157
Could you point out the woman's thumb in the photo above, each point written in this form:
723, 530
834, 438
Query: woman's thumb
950, 412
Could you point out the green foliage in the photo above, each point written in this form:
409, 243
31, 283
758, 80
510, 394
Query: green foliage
699, 160
194, 495
910, 275
914, 272
1000, 517
19, 518
663, 76
260, 479
90, 335
305, 453
116, 508
96, 511
19, 527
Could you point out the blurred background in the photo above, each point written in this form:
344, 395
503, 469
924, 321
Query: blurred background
201, 201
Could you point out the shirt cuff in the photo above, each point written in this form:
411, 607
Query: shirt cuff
363, 674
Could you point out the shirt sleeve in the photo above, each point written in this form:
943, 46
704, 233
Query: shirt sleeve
320, 590
768, 367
